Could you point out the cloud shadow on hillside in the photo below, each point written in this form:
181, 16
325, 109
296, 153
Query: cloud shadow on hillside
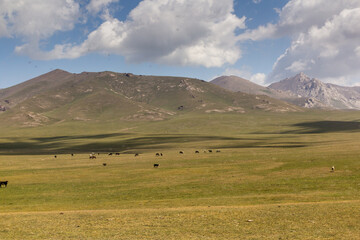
326, 127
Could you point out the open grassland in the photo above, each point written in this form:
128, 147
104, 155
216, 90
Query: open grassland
270, 180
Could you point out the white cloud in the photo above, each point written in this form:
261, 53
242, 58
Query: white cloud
181, 32
256, 1
3, 27
357, 51
325, 39
96, 6
37, 19
298, 16
328, 51
258, 78
298, 66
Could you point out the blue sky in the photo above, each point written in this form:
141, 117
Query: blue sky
261, 40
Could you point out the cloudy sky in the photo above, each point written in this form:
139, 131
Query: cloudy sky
261, 40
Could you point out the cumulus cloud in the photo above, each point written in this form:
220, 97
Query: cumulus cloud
3, 27
96, 6
175, 32
328, 51
37, 19
258, 78
325, 40
298, 16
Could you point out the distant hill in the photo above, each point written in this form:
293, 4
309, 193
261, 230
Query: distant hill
318, 94
238, 84
107, 96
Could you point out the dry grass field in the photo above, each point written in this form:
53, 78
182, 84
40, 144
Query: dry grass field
269, 181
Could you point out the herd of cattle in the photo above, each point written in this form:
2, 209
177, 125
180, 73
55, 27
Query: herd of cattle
156, 165
93, 156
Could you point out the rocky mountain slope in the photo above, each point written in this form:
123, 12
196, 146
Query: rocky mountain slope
318, 94
108, 96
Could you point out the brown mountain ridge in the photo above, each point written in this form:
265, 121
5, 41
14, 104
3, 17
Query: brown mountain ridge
107, 96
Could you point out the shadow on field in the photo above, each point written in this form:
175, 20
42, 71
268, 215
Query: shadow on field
46, 145
326, 127
97, 136
260, 144
109, 143
149, 142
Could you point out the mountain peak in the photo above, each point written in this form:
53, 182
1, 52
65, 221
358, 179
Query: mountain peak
326, 95
302, 74
56, 71
302, 77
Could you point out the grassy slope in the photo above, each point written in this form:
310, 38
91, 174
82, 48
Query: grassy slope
273, 169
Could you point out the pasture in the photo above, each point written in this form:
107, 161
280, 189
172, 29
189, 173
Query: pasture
271, 180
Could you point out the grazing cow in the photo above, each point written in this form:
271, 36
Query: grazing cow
104, 164
91, 156
136, 154
3, 183
196, 151
218, 151
210, 151
157, 154
160, 154
72, 154
117, 153
55, 156
156, 165
110, 154
181, 152
333, 168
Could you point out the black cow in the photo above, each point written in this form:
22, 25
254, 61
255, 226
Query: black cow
3, 183
196, 151
181, 152
136, 154
110, 154
117, 153
210, 151
156, 165
218, 151
157, 154
104, 164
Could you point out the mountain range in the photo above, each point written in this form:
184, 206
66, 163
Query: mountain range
300, 90
60, 96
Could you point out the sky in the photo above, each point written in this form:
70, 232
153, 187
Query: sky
261, 40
